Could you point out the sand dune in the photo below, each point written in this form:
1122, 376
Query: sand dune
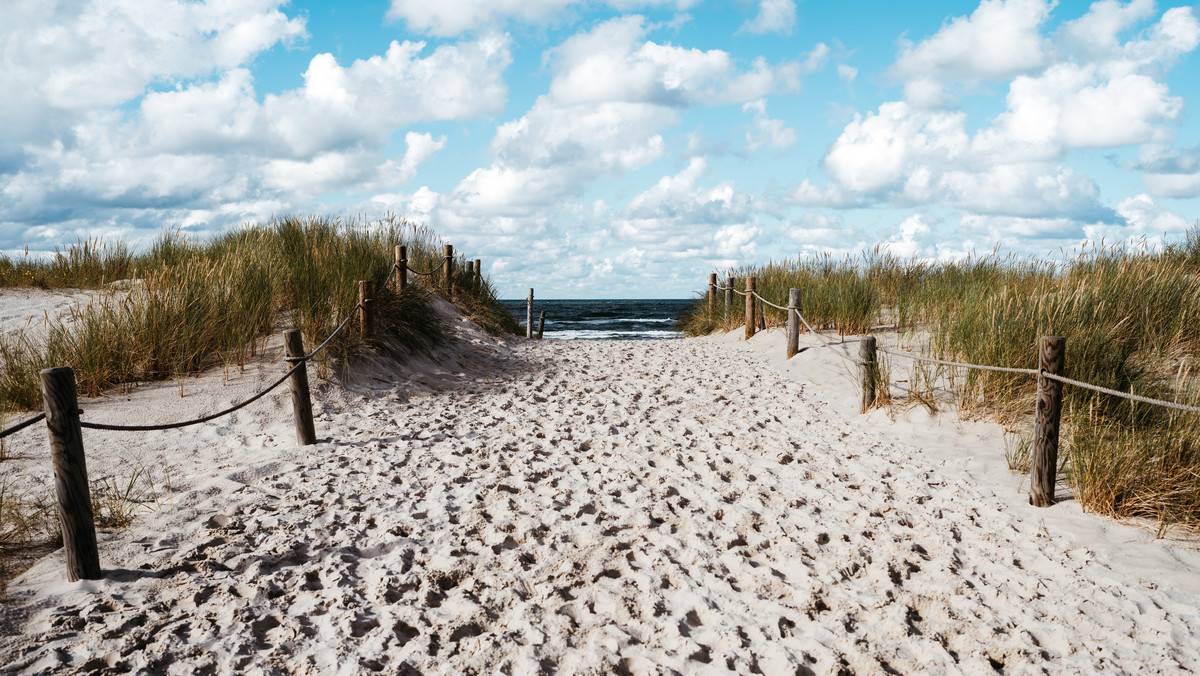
690, 506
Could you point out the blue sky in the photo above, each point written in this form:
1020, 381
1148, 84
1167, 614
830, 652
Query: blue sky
608, 148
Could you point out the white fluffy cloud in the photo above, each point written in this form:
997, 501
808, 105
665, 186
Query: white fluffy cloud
1169, 172
213, 147
613, 94
774, 16
453, 17
765, 130
1001, 38
615, 62
1082, 89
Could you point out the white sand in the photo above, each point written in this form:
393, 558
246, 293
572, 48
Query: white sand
686, 506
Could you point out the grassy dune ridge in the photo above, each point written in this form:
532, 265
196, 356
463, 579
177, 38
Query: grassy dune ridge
183, 306
1130, 319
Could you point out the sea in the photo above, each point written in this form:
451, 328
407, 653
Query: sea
604, 319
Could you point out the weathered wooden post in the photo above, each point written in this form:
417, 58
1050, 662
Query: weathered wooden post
302, 416
870, 369
401, 267
541, 324
529, 316
793, 323
712, 293
448, 270
729, 296
70, 473
366, 296
749, 308
762, 317
1052, 358
478, 274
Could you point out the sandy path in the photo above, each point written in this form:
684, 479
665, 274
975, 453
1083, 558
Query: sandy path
587, 507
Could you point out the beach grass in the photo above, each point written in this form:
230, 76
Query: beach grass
1128, 315
184, 306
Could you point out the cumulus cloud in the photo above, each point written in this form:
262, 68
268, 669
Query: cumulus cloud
614, 62
613, 94
1001, 38
774, 16
1169, 172
1145, 217
214, 148
69, 58
679, 218
819, 232
448, 18
765, 130
1082, 89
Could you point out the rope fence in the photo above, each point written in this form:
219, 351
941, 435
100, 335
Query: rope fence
22, 425
1050, 379
62, 413
1124, 395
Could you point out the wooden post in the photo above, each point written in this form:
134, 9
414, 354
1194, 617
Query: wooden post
729, 296
541, 324
478, 274
529, 316
793, 323
749, 308
306, 433
1052, 358
762, 317
70, 474
366, 296
448, 271
869, 365
401, 267
712, 293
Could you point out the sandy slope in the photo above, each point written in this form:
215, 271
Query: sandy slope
685, 506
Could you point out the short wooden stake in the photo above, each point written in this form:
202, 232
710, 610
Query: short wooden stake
867, 359
793, 323
448, 271
366, 296
728, 296
762, 317
401, 267
541, 324
302, 416
529, 316
712, 293
749, 308
70, 474
1052, 358
478, 274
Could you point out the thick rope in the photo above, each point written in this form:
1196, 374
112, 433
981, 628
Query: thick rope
336, 331
777, 307
1125, 395
196, 421
431, 272
20, 426
981, 367
825, 343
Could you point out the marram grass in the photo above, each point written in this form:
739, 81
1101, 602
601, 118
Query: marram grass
1129, 317
184, 306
